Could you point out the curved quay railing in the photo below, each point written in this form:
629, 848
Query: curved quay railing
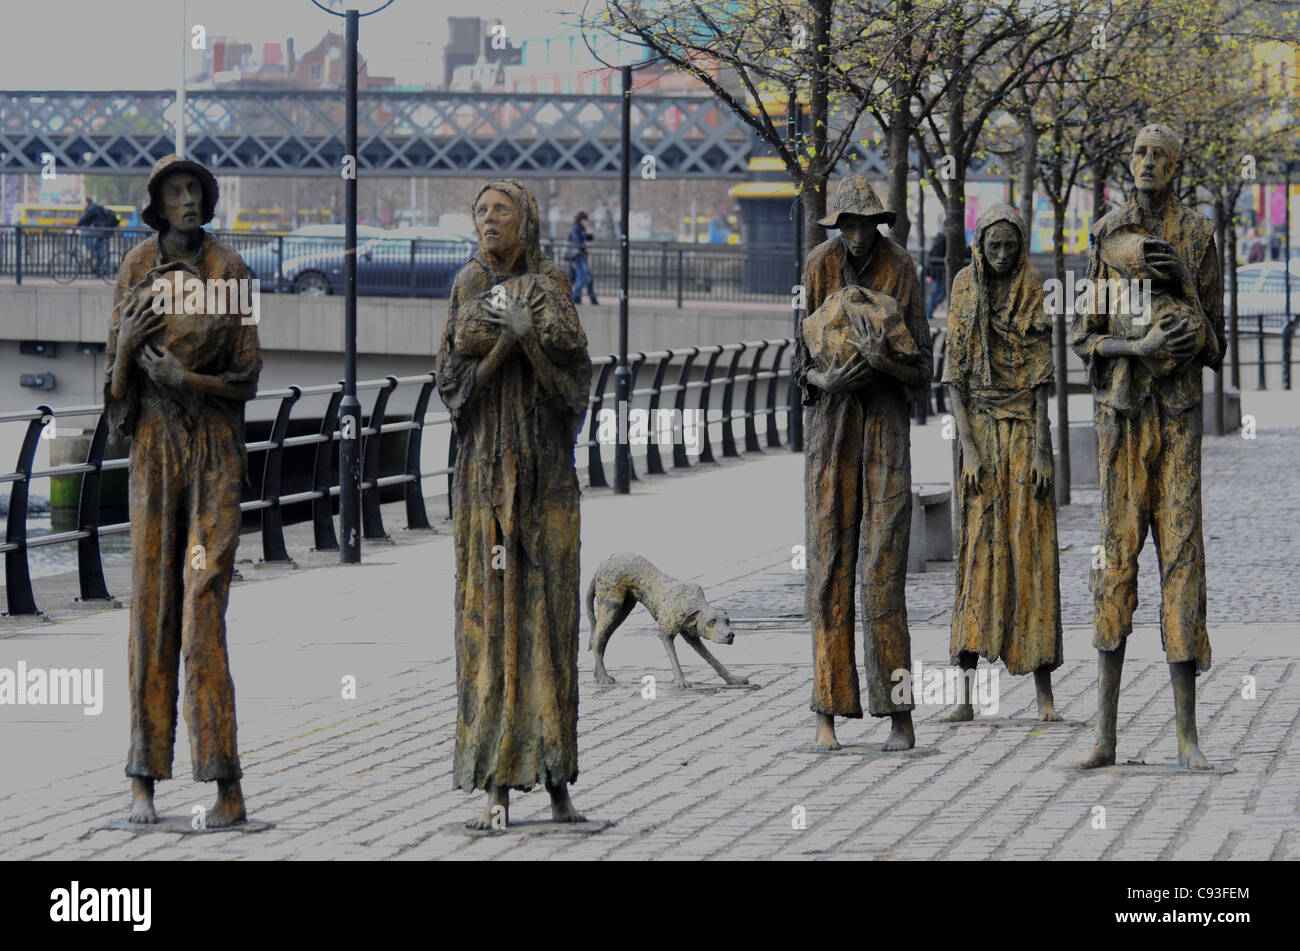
744, 368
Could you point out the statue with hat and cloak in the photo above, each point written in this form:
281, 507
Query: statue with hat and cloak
862, 356
176, 384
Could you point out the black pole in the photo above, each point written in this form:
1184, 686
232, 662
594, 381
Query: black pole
623, 374
796, 393
1286, 282
350, 407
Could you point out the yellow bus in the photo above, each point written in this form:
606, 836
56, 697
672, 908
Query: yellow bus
278, 220
65, 216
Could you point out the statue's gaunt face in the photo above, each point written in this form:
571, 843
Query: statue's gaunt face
859, 234
182, 201
1153, 164
497, 221
1001, 247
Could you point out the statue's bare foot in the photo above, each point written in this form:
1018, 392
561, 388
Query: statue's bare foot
901, 736
562, 807
826, 740
603, 677
736, 681
229, 807
960, 713
497, 813
142, 809
1047, 711
1193, 758
1102, 755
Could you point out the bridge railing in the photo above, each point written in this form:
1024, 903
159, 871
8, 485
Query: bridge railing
728, 399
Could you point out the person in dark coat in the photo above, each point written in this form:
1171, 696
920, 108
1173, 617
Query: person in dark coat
936, 274
577, 255
94, 225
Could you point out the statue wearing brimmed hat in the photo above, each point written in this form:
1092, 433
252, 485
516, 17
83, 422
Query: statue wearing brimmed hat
1145, 371
865, 356
177, 384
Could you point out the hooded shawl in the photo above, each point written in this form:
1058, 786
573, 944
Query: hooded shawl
515, 507
996, 357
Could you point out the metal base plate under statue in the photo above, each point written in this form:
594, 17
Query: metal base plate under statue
182, 825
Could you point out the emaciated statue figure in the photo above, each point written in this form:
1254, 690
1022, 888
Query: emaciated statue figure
177, 384
858, 475
1145, 369
514, 372
998, 366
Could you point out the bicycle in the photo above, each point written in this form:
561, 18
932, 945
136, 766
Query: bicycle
77, 255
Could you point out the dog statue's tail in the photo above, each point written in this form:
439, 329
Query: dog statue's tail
591, 610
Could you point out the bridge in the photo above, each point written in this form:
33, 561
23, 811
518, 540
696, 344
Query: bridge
399, 133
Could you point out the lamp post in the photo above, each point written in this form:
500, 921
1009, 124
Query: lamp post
1286, 276
350, 406
180, 80
622, 372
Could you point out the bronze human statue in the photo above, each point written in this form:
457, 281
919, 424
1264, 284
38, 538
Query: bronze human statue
998, 365
1145, 368
177, 384
858, 478
514, 372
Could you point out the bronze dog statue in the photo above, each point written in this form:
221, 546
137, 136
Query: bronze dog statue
678, 607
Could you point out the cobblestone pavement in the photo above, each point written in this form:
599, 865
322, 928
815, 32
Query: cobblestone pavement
709, 772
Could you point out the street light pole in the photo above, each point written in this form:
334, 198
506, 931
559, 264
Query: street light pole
623, 373
794, 422
1286, 281
350, 407
180, 80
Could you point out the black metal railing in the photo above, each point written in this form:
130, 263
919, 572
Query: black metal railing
401, 267
752, 386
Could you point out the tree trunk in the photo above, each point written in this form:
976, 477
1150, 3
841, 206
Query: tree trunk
1058, 329
1234, 341
818, 124
1025, 184
814, 207
1220, 235
900, 133
1100, 171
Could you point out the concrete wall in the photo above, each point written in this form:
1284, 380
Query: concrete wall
303, 336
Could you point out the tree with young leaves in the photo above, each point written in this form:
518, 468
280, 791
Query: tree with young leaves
751, 53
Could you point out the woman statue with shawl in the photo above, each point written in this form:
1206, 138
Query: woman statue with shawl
998, 367
514, 372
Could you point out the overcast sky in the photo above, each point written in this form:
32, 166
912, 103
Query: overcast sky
132, 44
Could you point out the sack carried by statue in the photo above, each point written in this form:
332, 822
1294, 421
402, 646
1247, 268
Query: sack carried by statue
192, 338
1124, 250
877, 318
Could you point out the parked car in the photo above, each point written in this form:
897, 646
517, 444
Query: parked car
407, 262
302, 246
1260, 291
